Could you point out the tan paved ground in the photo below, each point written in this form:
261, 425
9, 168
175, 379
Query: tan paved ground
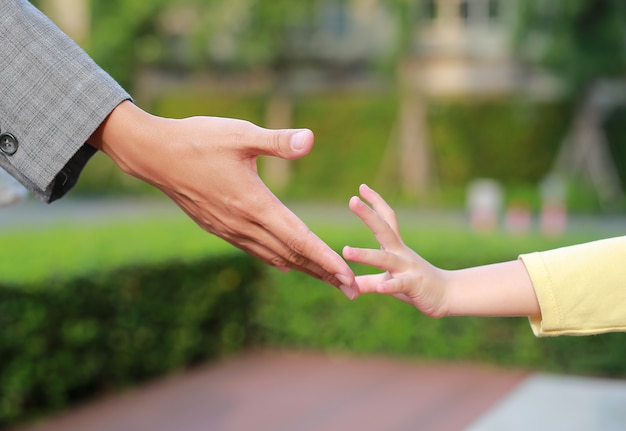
272, 391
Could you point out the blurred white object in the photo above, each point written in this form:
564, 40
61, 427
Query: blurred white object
484, 202
553, 220
11, 192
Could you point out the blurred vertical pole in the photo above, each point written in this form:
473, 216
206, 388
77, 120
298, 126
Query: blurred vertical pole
415, 162
414, 153
276, 171
72, 16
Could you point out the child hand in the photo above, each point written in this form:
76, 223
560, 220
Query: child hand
408, 277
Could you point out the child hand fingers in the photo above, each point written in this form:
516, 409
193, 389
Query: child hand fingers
373, 284
384, 233
393, 286
380, 259
380, 206
368, 283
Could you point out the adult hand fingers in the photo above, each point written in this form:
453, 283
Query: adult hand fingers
283, 240
304, 250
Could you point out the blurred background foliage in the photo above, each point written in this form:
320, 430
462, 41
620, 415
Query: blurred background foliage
340, 63
580, 40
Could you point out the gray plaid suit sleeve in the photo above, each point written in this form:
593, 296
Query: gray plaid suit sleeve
52, 98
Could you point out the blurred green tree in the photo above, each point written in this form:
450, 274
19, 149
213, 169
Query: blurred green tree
194, 33
579, 40
266, 36
583, 42
116, 26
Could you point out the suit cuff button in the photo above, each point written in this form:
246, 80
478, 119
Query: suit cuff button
8, 144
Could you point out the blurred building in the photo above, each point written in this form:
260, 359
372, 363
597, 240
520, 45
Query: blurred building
459, 49
70, 15
464, 48
456, 47
440, 48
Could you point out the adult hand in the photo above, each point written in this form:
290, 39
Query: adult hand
207, 166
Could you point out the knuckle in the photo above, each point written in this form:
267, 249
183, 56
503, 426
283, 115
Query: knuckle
274, 139
242, 131
297, 244
278, 261
297, 259
330, 279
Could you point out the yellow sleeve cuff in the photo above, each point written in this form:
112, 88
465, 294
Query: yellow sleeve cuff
581, 289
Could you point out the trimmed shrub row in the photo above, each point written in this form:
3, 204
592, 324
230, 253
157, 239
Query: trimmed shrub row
327, 321
64, 341
512, 141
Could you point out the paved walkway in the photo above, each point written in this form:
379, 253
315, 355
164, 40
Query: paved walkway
295, 391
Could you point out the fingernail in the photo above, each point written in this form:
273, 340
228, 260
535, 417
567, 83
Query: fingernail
348, 291
345, 286
298, 140
343, 279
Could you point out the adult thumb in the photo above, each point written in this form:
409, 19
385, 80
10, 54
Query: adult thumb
289, 143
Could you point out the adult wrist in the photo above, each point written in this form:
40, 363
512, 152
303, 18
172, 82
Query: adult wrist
123, 136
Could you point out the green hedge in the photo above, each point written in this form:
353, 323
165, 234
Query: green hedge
352, 135
509, 140
62, 341
300, 313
